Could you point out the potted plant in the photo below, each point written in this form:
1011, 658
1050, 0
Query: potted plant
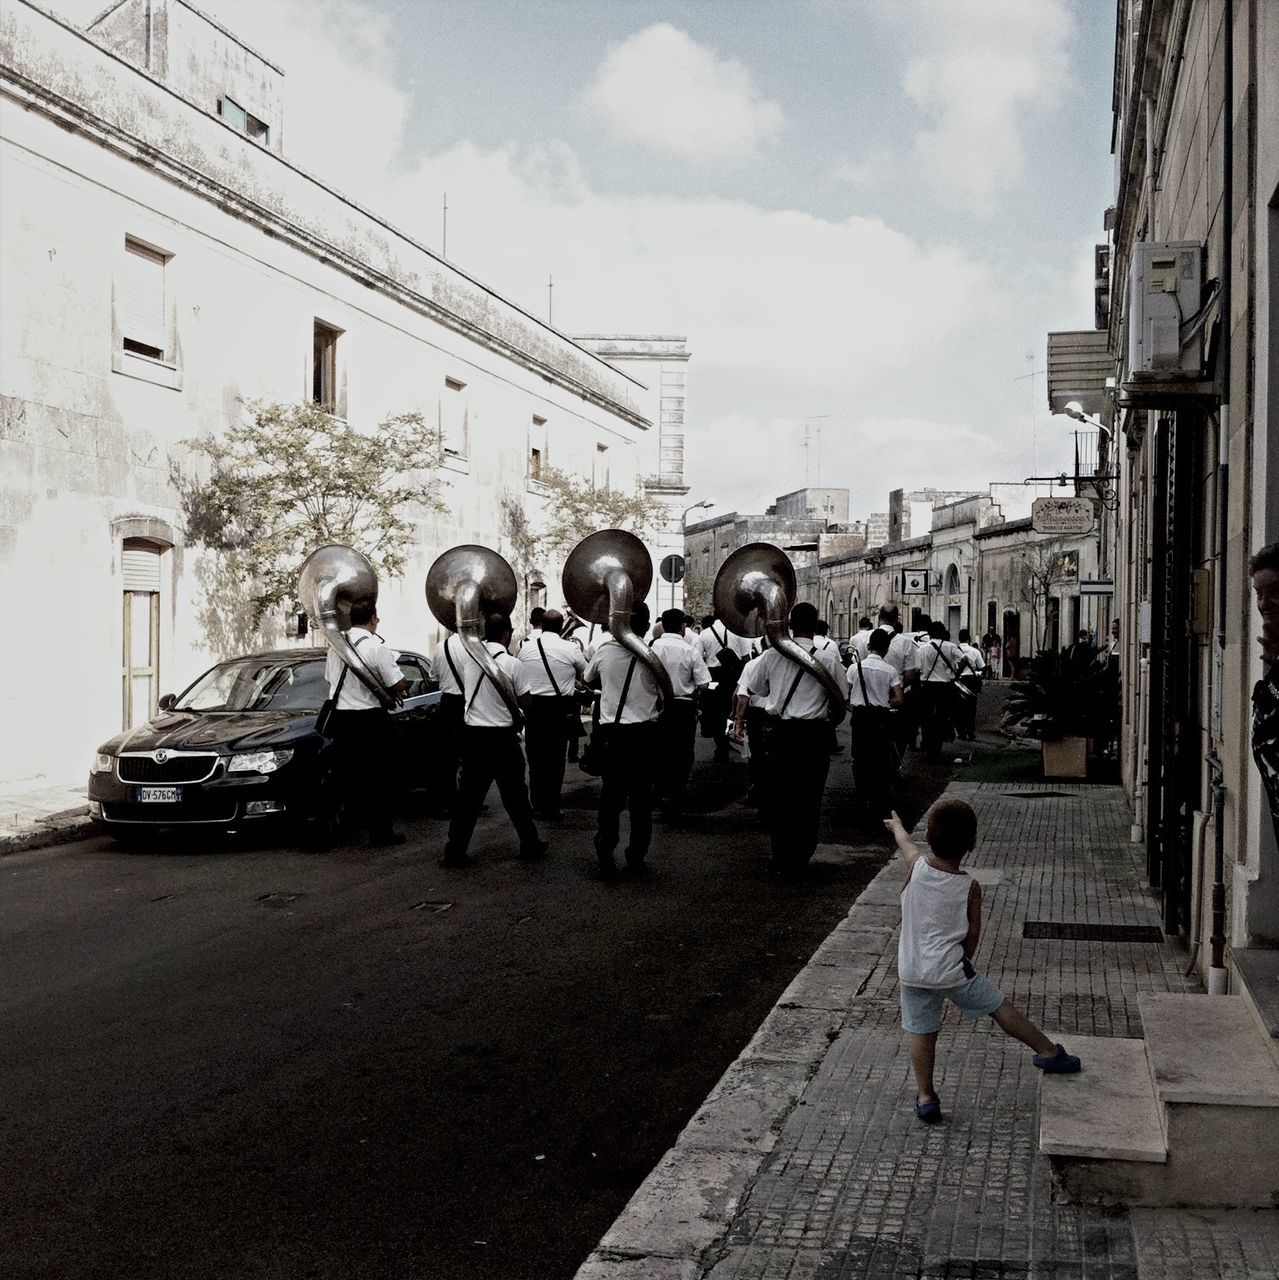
1062, 704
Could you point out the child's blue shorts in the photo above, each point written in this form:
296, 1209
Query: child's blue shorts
922, 1006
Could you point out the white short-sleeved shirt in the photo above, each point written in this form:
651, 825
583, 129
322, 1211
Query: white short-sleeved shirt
775, 673
716, 637
485, 706
825, 642
380, 660
442, 671
860, 644
975, 661
684, 664
934, 658
743, 684
566, 660
903, 653
881, 678
611, 663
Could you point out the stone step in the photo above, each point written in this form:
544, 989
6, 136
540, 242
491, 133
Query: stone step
1258, 972
1207, 1051
1108, 1111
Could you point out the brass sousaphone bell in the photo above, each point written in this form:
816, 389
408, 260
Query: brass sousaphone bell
603, 576
465, 585
753, 594
332, 579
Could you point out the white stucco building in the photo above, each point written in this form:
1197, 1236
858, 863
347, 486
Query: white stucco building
162, 260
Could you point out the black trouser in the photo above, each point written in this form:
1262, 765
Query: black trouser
717, 706
757, 723
451, 716
798, 760
546, 731
361, 743
936, 705
490, 755
630, 765
906, 725
966, 708
675, 755
875, 758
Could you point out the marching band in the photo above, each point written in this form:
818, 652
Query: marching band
770, 684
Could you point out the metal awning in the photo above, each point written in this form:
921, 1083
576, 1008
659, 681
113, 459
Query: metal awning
1079, 364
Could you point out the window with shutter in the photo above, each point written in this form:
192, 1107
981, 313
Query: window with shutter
453, 420
141, 301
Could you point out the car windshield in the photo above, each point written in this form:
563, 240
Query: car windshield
258, 684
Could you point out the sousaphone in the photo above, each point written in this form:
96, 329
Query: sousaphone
603, 576
753, 595
465, 585
332, 579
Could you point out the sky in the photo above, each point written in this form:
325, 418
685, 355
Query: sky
864, 215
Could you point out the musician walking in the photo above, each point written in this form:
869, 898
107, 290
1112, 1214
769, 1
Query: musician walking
941, 663
361, 726
689, 674
874, 694
630, 737
798, 751
491, 750
553, 667
446, 664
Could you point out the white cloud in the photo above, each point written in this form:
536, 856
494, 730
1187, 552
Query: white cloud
663, 91
985, 66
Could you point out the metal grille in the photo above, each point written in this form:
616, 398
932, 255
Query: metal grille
184, 767
171, 815
1091, 932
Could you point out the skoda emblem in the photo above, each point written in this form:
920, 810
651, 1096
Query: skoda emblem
161, 757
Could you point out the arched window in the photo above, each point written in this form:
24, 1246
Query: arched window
952, 580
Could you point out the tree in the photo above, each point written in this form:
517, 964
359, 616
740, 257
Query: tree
573, 508
1046, 563
285, 479
697, 595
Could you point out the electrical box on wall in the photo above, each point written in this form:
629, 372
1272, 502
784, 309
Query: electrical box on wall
1165, 291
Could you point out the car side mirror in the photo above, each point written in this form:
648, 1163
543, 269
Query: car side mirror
167, 701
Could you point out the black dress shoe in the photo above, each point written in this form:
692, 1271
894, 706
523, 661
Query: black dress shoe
457, 861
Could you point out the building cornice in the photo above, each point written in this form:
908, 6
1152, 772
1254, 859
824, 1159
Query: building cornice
71, 115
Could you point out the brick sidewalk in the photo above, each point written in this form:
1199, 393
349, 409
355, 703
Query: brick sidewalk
831, 1177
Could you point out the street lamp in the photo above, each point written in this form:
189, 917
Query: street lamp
683, 520
1075, 410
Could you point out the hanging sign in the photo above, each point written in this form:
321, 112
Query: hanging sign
1062, 516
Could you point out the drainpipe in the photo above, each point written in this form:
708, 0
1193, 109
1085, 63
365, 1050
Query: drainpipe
1217, 975
1138, 833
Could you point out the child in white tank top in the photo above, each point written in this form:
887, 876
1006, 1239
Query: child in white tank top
941, 927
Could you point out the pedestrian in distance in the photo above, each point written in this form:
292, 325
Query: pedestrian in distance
491, 751
553, 667
361, 727
874, 698
689, 677
630, 743
859, 645
940, 933
822, 640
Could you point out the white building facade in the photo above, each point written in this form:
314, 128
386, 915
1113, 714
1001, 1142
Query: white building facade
163, 263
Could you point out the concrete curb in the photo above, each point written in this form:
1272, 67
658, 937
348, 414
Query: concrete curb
60, 829
673, 1224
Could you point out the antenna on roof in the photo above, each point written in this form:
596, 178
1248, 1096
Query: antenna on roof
444, 247
550, 285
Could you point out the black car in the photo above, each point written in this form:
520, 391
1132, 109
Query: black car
240, 745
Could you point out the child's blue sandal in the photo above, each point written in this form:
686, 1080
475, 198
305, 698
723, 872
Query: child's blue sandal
928, 1112
1059, 1063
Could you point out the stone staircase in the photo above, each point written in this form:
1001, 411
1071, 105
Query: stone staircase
1189, 1115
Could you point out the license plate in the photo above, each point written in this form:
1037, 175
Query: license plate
159, 795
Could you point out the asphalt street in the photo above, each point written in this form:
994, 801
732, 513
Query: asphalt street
244, 1060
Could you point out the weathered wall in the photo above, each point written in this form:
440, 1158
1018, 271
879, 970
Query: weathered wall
258, 252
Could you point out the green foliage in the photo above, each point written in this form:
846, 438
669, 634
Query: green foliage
285, 479
697, 595
573, 508
1059, 700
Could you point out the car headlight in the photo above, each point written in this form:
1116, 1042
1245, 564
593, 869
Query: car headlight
259, 761
103, 762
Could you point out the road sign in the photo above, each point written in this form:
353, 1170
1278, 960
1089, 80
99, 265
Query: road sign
1097, 587
1064, 516
672, 568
